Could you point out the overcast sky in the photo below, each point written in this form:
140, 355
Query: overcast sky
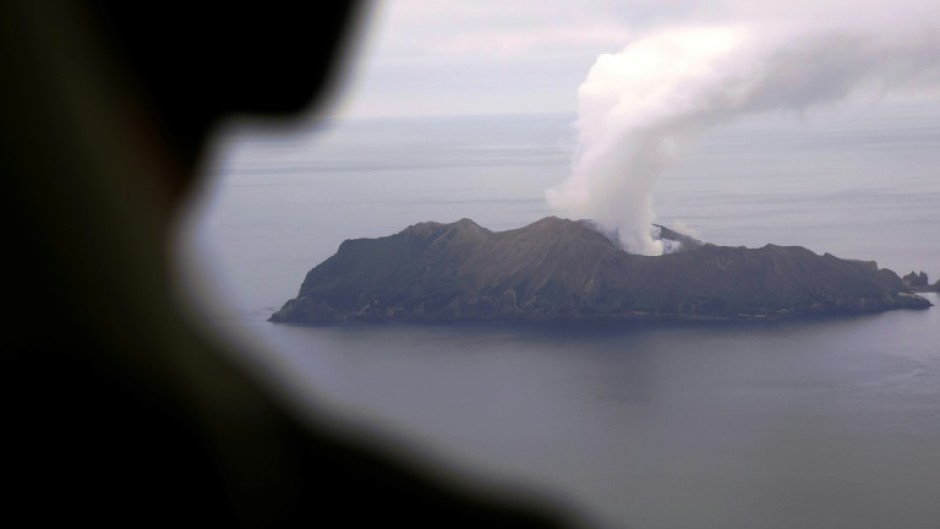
422, 57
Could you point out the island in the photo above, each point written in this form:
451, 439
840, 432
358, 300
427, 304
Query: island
564, 270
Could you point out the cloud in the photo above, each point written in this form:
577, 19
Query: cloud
488, 56
637, 108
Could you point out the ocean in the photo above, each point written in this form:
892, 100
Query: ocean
830, 424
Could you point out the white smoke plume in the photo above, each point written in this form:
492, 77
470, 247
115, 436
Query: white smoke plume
637, 108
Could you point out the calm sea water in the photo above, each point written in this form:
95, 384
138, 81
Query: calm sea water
826, 424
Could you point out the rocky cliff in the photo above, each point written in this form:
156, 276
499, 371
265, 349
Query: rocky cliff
920, 282
558, 269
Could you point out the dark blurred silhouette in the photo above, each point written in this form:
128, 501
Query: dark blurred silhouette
118, 410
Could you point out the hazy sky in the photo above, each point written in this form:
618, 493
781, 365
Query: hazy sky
422, 57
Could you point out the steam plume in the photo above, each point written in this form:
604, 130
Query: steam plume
637, 108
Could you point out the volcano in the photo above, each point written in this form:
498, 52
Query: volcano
563, 270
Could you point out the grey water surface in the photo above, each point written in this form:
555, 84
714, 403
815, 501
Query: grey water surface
810, 424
